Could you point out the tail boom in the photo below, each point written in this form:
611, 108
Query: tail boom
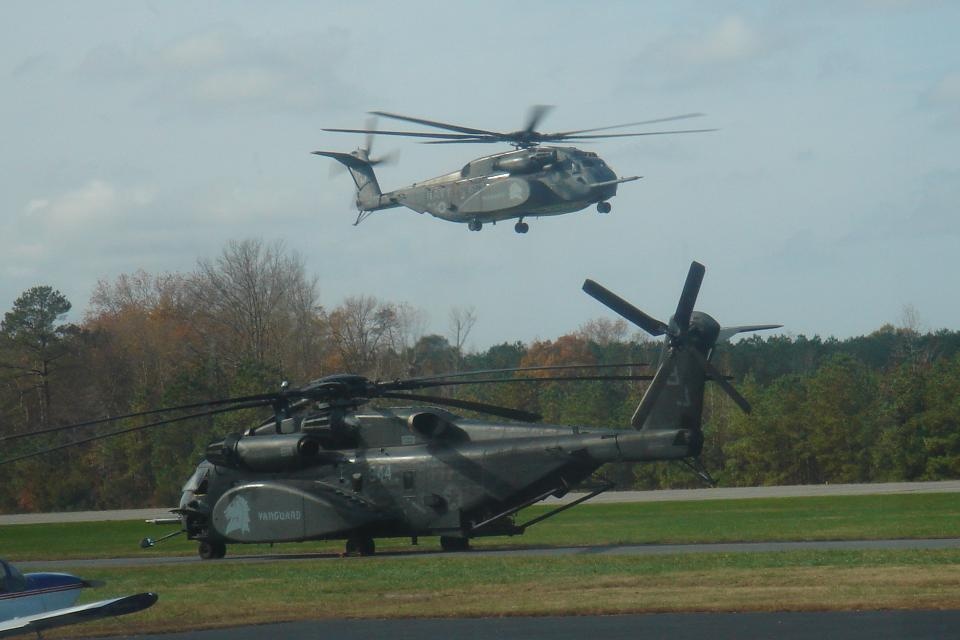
369, 195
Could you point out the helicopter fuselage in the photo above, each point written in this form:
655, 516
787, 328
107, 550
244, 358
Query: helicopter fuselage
528, 182
540, 181
400, 473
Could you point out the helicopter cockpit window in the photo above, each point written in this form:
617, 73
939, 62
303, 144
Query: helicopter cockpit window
197, 483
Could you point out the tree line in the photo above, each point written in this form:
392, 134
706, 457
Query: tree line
880, 407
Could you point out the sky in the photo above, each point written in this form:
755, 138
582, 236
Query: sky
146, 135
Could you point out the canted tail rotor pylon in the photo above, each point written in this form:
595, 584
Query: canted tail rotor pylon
674, 397
360, 164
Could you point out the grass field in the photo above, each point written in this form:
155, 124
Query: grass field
933, 515
208, 594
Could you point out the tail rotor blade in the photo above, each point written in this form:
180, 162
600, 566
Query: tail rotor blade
688, 298
371, 125
336, 169
720, 379
653, 391
651, 325
390, 157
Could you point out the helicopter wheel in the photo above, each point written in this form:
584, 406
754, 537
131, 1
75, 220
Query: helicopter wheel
474, 225
454, 543
604, 207
521, 227
212, 550
361, 547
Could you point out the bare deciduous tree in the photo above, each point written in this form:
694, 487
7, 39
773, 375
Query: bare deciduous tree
258, 298
604, 331
462, 320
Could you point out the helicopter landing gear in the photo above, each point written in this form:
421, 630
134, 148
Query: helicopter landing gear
521, 226
360, 547
604, 207
474, 225
212, 550
454, 543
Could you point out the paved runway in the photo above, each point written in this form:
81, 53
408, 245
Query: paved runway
640, 549
852, 625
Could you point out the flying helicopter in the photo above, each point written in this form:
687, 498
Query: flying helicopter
325, 466
528, 182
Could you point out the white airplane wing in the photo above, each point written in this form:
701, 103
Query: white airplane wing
73, 615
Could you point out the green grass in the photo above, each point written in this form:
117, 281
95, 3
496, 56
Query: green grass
934, 515
206, 595
200, 595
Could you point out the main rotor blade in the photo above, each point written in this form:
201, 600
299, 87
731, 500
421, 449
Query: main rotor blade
409, 134
720, 379
435, 123
688, 297
597, 378
651, 325
484, 140
536, 114
264, 399
482, 407
629, 124
552, 138
119, 432
552, 367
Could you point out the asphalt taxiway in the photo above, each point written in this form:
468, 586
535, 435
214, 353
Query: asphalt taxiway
603, 550
848, 625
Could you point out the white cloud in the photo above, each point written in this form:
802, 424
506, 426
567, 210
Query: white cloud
731, 40
259, 202
946, 93
708, 53
944, 99
34, 64
224, 69
237, 84
196, 51
95, 201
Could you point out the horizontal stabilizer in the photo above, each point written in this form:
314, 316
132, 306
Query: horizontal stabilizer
728, 332
350, 160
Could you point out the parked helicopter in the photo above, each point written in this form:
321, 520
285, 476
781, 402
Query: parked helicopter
530, 181
325, 467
